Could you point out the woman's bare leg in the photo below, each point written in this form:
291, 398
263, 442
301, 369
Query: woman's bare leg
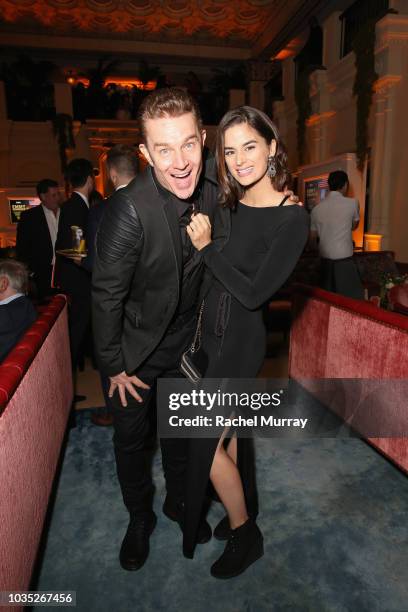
232, 449
227, 482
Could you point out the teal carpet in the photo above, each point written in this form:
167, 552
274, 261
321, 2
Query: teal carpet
334, 515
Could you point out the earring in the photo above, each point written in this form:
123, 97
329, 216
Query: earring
271, 166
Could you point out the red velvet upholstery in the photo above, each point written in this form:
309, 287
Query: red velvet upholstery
398, 296
20, 357
334, 337
35, 394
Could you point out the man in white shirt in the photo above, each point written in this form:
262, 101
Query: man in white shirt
36, 235
332, 222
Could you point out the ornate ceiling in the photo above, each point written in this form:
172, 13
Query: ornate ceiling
237, 22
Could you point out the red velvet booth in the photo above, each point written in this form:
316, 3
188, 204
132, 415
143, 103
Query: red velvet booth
334, 337
35, 398
398, 297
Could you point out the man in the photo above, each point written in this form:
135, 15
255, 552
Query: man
333, 221
146, 281
37, 233
16, 311
72, 279
122, 166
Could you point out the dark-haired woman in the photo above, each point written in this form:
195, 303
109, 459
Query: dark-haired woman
258, 238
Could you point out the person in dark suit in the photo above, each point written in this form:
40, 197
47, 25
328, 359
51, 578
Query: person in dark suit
122, 165
37, 233
146, 281
70, 276
17, 312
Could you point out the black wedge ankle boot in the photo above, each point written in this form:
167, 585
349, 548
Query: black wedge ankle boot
223, 529
244, 547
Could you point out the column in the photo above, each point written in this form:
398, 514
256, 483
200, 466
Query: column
387, 214
3, 103
331, 39
259, 74
63, 99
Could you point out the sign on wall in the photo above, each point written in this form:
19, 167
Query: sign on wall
315, 191
19, 205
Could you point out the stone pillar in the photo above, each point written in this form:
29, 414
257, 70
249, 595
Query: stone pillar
331, 39
4, 145
318, 132
259, 74
63, 98
3, 103
389, 157
288, 79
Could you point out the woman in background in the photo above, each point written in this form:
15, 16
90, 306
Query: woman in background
258, 238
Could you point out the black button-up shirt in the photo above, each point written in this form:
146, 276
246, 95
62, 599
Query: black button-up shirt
204, 200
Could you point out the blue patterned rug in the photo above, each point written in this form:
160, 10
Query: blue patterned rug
333, 513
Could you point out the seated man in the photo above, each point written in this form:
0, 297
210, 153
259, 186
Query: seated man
17, 312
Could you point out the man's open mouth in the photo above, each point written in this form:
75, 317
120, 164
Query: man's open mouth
182, 175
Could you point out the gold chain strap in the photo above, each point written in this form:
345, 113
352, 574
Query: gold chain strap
197, 336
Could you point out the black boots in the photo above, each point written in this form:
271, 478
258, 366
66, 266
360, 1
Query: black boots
175, 512
244, 547
223, 529
135, 546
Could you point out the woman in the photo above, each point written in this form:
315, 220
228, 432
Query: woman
258, 238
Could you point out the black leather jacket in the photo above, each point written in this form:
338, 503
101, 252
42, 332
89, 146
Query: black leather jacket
136, 275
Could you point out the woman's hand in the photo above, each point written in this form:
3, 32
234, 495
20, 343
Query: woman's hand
199, 231
293, 199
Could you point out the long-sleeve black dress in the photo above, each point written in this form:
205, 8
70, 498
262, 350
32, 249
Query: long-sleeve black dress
255, 253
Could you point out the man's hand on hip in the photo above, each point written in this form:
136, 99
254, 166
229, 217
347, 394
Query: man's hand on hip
122, 382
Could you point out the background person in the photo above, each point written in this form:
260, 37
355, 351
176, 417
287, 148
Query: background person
17, 312
36, 235
122, 166
332, 221
71, 278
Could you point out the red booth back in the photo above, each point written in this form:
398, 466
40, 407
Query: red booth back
35, 398
334, 337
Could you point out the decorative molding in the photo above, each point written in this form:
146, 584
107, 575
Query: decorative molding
320, 117
100, 132
392, 30
385, 83
237, 23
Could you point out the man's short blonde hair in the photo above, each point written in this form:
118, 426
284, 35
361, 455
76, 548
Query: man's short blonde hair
167, 102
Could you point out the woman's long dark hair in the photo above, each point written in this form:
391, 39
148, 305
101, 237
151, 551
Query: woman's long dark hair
230, 191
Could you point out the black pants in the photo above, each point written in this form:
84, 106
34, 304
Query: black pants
135, 432
341, 276
78, 322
